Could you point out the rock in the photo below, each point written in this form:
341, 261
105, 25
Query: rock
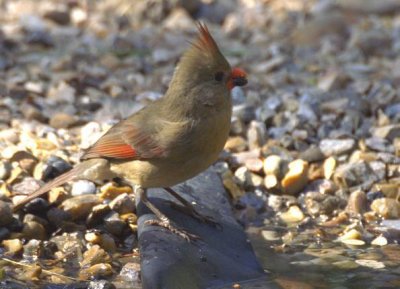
334, 147
5, 170
62, 93
270, 235
54, 167
123, 204
371, 264
256, 134
352, 234
95, 255
254, 165
271, 182
272, 165
388, 132
292, 215
60, 17
296, 178
234, 190
83, 187
6, 216
96, 271
236, 144
79, 207
379, 241
13, 246
111, 190
130, 272
387, 208
34, 230
332, 80
312, 154
63, 120
353, 174
97, 214
114, 224
179, 19
357, 203
101, 284
270, 65
329, 167
379, 144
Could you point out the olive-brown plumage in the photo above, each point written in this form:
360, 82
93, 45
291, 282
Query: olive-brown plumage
172, 139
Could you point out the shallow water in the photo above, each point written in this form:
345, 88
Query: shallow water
337, 267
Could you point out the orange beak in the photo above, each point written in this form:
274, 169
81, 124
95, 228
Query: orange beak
237, 78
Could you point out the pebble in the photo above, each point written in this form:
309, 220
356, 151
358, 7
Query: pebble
352, 234
272, 165
335, 147
95, 255
6, 216
83, 187
62, 93
329, 167
386, 207
292, 215
379, 241
353, 174
96, 271
130, 272
114, 224
13, 246
371, 264
63, 120
123, 204
34, 230
79, 207
296, 178
236, 144
256, 134
234, 190
111, 190
357, 203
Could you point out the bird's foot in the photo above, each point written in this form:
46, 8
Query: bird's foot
165, 223
191, 211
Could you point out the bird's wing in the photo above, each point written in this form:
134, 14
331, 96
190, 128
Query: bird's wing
125, 140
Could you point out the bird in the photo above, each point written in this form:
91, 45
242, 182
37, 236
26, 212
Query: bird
171, 139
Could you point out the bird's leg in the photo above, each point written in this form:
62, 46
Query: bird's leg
189, 209
162, 220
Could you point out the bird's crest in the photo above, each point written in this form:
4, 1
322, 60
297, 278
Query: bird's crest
205, 42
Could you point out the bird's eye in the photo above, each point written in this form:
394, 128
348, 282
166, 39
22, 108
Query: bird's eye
219, 76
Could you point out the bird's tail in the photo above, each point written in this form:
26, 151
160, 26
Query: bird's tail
60, 180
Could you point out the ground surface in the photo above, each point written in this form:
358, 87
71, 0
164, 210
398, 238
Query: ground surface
312, 163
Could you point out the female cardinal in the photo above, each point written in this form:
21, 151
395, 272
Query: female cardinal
170, 140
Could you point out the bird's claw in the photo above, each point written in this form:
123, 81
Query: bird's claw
177, 231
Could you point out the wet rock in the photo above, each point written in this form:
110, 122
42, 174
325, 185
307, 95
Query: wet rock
96, 271
95, 255
79, 207
379, 241
387, 208
6, 216
101, 284
296, 178
123, 204
292, 215
34, 230
5, 170
270, 235
312, 154
13, 246
371, 263
114, 224
357, 203
334, 147
97, 214
130, 272
317, 204
83, 187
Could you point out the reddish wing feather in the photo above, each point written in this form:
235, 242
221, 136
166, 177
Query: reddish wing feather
124, 141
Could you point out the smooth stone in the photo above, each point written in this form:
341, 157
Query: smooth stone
296, 178
370, 263
123, 204
79, 207
83, 187
357, 203
6, 216
333, 147
386, 207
